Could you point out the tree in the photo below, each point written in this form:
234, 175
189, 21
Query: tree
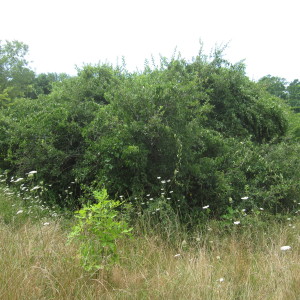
294, 93
43, 83
274, 85
16, 77
294, 89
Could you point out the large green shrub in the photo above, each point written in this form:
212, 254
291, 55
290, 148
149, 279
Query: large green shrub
203, 125
182, 122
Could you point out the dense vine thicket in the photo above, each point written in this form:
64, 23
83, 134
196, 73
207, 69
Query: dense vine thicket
203, 127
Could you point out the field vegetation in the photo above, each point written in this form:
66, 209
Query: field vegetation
179, 181
212, 261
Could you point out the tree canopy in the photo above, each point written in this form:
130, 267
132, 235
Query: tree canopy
15, 76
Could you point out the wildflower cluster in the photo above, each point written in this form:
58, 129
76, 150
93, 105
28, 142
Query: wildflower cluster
29, 192
161, 202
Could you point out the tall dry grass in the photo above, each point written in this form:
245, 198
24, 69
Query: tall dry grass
240, 263
36, 263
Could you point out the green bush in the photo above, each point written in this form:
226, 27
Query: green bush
203, 125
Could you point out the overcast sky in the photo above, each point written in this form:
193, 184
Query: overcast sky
65, 33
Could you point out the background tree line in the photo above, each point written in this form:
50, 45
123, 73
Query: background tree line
279, 87
196, 133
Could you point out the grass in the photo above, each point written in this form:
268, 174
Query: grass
216, 263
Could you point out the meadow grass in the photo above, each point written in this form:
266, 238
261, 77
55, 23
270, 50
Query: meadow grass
234, 262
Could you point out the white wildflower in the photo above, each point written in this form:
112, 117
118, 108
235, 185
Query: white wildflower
35, 188
285, 248
19, 179
236, 222
32, 172
205, 207
221, 279
245, 198
158, 177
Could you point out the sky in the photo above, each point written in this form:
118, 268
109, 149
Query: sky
62, 34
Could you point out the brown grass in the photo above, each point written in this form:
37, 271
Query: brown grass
36, 263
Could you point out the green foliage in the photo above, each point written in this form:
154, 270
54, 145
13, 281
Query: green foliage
279, 87
294, 94
274, 85
90, 85
99, 228
203, 125
294, 127
294, 89
173, 120
266, 174
241, 109
43, 83
15, 77
45, 135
